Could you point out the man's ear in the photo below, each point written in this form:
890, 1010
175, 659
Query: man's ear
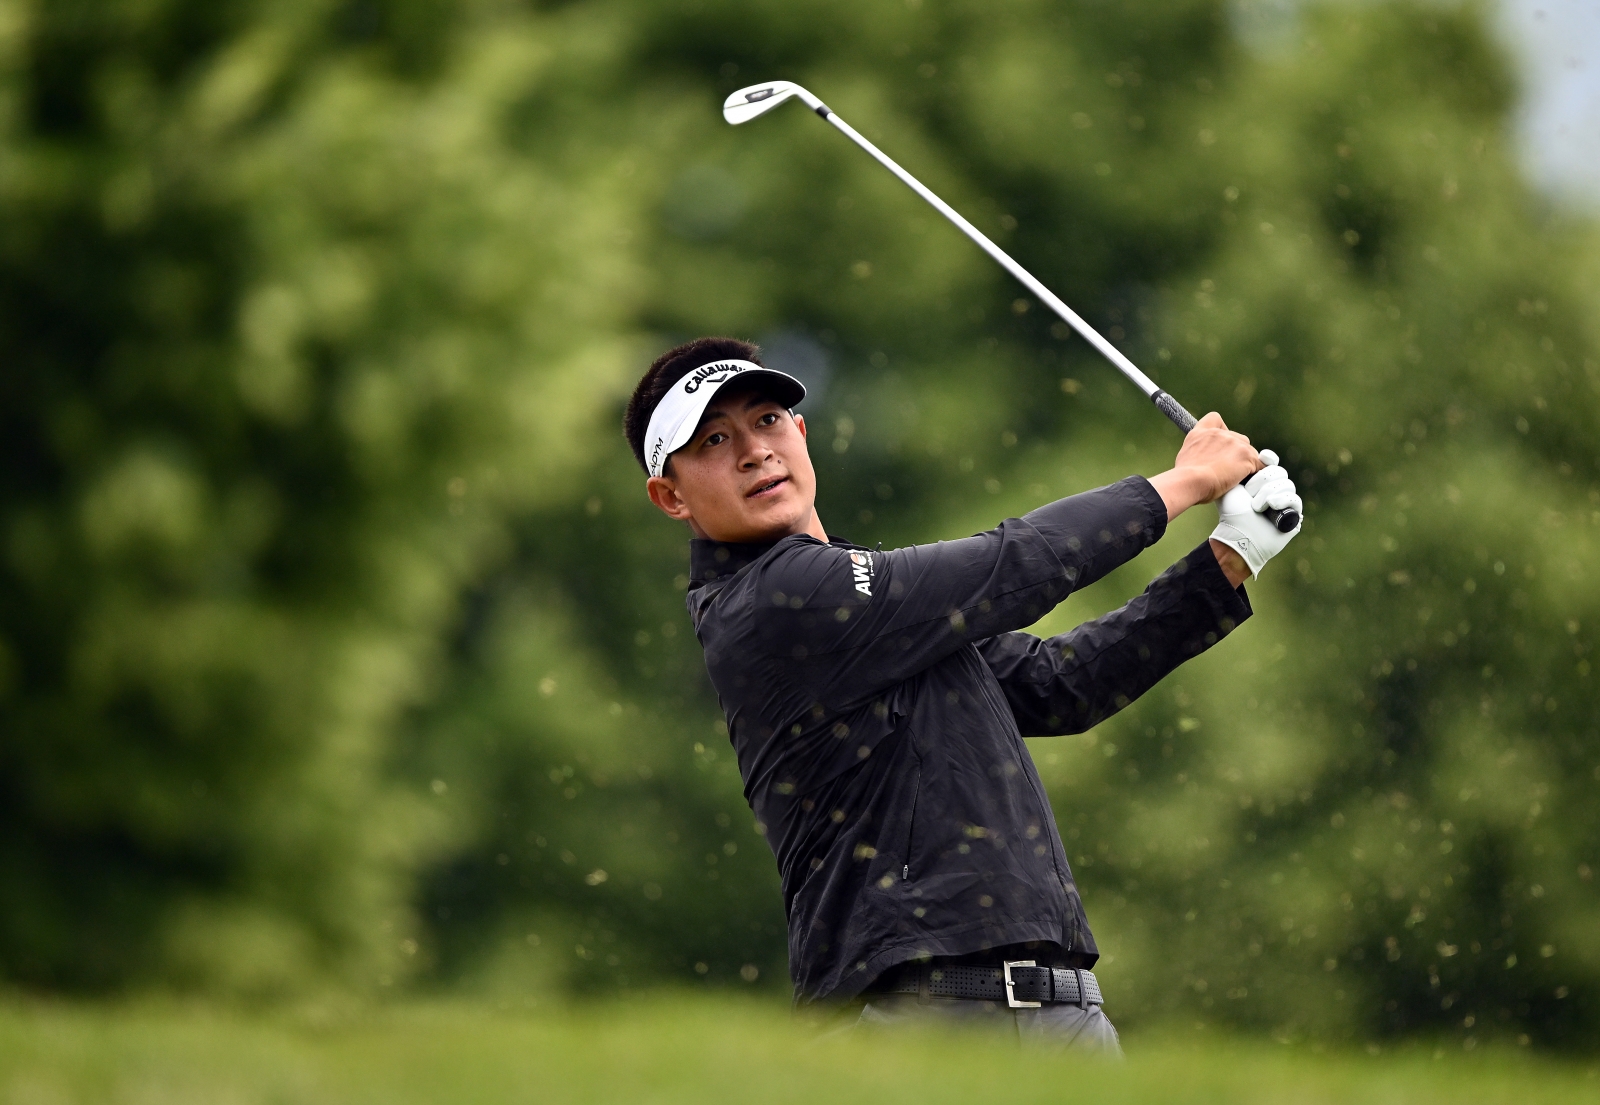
664, 493
800, 420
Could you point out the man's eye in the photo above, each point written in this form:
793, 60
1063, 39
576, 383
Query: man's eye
767, 419
716, 439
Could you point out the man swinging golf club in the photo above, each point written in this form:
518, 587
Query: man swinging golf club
877, 700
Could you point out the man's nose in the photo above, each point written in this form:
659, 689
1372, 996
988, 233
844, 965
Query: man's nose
753, 452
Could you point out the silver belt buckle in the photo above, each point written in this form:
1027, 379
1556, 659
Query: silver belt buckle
1011, 987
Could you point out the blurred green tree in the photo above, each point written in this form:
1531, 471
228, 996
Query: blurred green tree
276, 295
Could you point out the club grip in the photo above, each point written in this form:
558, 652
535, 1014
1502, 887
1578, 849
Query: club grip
1173, 409
1283, 520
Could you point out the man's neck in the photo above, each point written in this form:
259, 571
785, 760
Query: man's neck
812, 528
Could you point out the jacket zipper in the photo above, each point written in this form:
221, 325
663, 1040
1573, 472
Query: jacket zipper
911, 824
1057, 859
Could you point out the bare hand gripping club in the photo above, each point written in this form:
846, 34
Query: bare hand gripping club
758, 99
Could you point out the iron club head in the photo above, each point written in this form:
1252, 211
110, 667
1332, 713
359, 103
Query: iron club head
758, 99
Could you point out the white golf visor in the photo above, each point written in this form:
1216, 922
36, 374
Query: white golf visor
678, 415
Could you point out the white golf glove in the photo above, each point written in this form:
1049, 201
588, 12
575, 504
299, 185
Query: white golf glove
1240, 525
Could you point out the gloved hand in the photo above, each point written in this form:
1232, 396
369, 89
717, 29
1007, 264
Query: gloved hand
1240, 525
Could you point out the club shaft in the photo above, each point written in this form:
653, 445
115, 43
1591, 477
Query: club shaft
1026, 278
1284, 520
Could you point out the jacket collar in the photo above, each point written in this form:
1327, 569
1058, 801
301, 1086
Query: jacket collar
714, 560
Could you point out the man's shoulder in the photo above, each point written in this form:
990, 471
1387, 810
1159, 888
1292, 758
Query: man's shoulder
798, 573
804, 568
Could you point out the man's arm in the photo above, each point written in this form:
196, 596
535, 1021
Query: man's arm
846, 630
1069, 683
847, 624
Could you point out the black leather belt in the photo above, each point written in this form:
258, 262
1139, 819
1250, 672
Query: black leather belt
1019, 983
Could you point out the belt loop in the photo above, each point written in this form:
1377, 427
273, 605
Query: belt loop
1083, 995
924, 986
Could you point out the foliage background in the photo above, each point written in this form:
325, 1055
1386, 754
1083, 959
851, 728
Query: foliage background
340, 651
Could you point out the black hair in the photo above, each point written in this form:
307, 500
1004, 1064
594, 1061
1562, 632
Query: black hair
668, 369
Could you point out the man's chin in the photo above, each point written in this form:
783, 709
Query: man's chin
764, 527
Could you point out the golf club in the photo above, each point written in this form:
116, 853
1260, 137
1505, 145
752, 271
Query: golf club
758, 99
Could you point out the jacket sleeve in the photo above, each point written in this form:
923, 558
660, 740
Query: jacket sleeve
1070, 683
847, 624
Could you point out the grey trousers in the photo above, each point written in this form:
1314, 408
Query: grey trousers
1053, 1027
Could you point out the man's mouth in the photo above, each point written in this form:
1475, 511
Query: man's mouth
770, 487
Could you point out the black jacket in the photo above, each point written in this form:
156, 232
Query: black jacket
877, 702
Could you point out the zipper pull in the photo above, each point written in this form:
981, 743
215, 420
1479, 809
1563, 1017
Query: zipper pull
905, 872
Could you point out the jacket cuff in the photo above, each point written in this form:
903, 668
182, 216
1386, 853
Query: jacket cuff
1230, 603
1155, 507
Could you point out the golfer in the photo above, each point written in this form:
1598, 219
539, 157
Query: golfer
877, 700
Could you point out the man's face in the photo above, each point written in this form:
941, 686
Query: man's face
745, 475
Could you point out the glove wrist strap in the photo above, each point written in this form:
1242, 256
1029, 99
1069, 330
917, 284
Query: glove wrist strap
1244, 546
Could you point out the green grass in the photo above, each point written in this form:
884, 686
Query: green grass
676, 1048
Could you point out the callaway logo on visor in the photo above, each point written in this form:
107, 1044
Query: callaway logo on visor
677, 416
